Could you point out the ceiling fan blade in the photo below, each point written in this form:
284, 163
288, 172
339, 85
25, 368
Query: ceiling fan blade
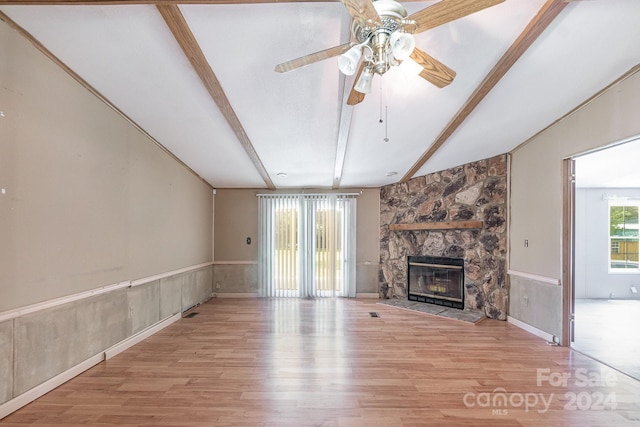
433, 70
362, 11
312, 57
447, 11
356, 97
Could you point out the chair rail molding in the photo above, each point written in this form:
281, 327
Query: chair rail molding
32, 308
537, 277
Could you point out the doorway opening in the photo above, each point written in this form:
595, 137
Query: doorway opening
603, 299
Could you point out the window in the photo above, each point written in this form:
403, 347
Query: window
623, 236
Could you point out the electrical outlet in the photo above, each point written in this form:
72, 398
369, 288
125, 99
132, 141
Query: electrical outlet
526, 243
130, 311
217, 285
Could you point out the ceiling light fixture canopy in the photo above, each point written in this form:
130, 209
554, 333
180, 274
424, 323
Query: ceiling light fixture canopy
383, 44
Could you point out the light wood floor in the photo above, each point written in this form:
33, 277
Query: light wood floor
609, 331
258, 362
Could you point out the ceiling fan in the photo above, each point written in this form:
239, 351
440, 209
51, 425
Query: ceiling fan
384, 38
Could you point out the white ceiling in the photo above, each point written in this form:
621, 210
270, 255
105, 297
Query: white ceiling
293, 120
612, 167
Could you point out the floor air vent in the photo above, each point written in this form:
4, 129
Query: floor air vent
190, 315
373, 314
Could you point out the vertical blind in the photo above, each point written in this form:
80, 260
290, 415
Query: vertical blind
307, 245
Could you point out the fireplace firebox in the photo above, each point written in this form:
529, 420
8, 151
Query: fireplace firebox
436, 280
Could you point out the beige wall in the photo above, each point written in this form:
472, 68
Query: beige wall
86, 200
236, 218
536, 186
368, 233
368, 242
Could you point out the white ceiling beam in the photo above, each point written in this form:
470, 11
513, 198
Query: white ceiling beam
344, 126
346, 111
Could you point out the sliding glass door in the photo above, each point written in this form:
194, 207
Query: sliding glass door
307, 245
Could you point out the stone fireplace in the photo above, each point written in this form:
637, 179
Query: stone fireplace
436, 280
456, 213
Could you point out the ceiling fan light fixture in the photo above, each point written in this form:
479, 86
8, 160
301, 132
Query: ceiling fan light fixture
348, 61
410, 68
363, 85
402, 44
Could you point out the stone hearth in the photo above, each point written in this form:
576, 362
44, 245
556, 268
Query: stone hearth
475, 191
471, 316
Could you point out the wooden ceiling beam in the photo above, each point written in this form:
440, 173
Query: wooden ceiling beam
344, 126
153, 2
187, 41
549, 11
346, 112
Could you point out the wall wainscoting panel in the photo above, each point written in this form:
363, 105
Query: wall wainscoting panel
6, 361
239, 279
367, 278
235, 278
526, 298
51, 341
43, 347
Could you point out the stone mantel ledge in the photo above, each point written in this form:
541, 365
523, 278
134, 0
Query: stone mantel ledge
447, 225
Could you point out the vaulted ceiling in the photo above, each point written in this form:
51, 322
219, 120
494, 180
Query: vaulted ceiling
198, 77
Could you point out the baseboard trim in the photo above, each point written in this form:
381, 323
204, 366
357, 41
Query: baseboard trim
140, 336
44, 388
531, 329
237, 295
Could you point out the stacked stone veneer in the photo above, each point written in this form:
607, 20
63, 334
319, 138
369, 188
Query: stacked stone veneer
475, 191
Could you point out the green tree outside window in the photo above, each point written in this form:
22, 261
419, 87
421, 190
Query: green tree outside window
623, 237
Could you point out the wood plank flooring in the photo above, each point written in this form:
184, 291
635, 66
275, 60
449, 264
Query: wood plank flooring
262, 362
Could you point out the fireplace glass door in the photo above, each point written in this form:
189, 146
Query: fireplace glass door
436, 280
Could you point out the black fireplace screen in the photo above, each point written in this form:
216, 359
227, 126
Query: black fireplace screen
436, 280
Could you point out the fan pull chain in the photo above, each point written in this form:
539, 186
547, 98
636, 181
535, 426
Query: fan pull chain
380, 121
382, 101
386, 124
